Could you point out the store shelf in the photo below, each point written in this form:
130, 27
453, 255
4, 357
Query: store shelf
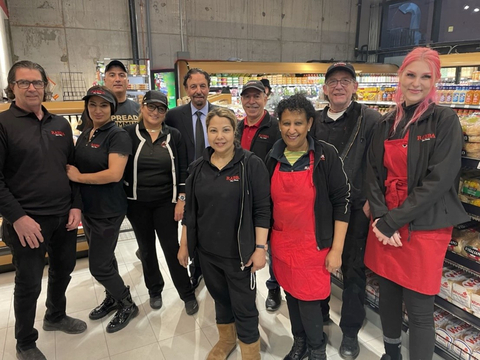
470, 162
461, 106
463, 263
457, 312
472, 209
384, 103
444, 353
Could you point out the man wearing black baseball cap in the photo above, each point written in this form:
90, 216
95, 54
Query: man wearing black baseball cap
268, 88
348, 125
257, 132
116, 79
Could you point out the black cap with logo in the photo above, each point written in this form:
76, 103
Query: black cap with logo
154, 96
340, 66
253, 84
116, 63
102, 92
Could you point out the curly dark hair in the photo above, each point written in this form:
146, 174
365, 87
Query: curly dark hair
25, 64
297, 102
192, 71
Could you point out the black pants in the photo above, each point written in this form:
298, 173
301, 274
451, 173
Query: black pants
420, 318
102, 237
272, 282
60, 245
354, 279
233, 296
306, 320
146, 219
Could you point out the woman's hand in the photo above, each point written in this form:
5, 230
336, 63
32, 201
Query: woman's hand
73, 173
182, 255
333, 261
393, 241
179, 210
257, 260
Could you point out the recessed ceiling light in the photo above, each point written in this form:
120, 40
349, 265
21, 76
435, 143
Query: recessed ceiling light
476, 9
466, 7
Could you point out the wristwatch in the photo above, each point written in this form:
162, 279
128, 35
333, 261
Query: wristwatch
264, 247
181, 197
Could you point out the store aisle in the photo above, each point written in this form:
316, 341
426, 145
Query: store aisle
165, 334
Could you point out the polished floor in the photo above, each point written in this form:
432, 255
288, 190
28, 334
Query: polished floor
165, 334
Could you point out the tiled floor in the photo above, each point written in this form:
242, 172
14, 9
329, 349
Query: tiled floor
165, 334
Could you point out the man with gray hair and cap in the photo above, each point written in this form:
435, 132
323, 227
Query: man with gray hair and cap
257, 132
40, 207
348, 126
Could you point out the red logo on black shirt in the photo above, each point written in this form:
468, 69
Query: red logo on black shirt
95, 146
164, 144
322, 158
425, 137
233, 178
263, 136
57, 133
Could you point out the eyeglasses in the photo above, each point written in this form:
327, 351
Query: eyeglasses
25, 84
343, 82
160, 108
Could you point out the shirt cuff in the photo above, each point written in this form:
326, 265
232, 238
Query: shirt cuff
384, 228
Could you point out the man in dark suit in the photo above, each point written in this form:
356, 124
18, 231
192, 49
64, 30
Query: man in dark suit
190, 119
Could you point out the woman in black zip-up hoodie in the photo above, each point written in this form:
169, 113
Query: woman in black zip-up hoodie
412, 180
155, 185
226, 220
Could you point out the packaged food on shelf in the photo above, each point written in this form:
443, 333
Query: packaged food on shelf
133, 69
471, 124
142, 69
466, 344
462, 238
372, 287
449, 277
462, 292
449, 331
475, 304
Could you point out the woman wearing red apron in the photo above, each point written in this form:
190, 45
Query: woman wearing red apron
310, 195
412, 176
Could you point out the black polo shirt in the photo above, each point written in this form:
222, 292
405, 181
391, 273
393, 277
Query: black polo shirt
337, 132
301, 164
33, 158
91, 156
218, 194
154, 169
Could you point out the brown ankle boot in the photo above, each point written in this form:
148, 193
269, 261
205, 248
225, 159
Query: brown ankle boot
250, 351
227, 341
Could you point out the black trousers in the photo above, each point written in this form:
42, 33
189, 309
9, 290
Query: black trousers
354, 279
230, 288
420, 309
146, 219
306, 320
102, 237
60, 245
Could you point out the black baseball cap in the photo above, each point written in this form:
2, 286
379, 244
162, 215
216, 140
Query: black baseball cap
154, 96
340, 66
253, 84
104, 94
116, 63
266, 83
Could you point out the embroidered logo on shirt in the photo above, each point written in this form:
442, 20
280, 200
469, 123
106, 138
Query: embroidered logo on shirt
57, 133
95, 146
233, 178
322, 158
263, 136
425, 137
164, 144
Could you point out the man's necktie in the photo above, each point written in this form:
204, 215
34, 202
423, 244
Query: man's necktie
199, 136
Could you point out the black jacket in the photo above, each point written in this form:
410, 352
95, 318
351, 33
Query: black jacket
354, 154
178, 153
254, 208
180, 118
332, 201
433, 165
267, 134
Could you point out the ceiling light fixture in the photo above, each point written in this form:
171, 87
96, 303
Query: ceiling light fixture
466, 7
476, 10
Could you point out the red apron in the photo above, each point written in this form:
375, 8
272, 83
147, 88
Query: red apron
298, 265
417, 265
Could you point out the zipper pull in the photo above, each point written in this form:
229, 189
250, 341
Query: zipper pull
242, 266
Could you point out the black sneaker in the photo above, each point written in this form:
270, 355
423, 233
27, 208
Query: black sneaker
156, 302
195, 281
30, 354
67, 324
349, 349
191, 307
274, 299
108, 305
299, 349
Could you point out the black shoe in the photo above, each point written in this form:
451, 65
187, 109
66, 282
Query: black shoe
137, 254
30, 354
156, 302
349, 349
127, 311
191, 307
67, 324
195, 281
320, 353
274, 299
108, 305
299, 349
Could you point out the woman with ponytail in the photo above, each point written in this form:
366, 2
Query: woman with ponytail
412, 177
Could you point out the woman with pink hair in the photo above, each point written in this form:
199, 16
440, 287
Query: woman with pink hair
412, 176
